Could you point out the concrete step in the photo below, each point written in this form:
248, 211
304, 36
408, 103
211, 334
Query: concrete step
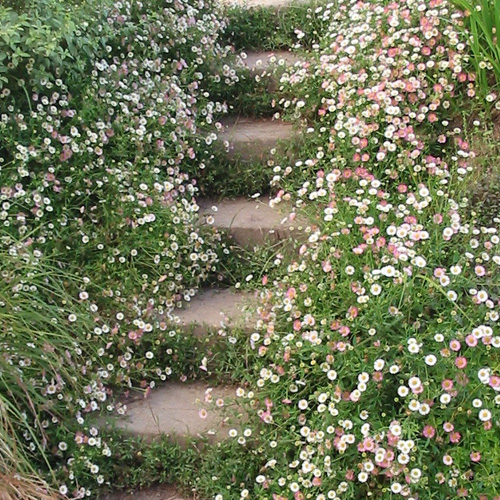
249, 222
251, 139
259, 62
213, 309
161, 492
174, 409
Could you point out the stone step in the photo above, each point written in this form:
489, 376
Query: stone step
174, 409
249, 222
251, 139
216, 308
259, 62
161, 492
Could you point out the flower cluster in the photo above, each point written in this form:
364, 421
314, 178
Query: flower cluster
382, 337
384, 85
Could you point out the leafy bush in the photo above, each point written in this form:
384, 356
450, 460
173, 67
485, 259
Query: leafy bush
49, 39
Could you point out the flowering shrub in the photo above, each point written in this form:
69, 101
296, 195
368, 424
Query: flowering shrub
375, 372
96, 194
381, 93
102, 186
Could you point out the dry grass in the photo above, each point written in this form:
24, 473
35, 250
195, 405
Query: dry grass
14, 486
18, 481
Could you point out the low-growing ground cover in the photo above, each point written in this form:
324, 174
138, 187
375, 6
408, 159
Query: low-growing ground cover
372, 368
375, 366
105, 117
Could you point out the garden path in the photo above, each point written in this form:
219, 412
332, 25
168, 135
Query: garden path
175, 408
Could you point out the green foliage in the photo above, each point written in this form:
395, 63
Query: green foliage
482, 21
107, 132
250, 96
375, 352
223, 178
45, 39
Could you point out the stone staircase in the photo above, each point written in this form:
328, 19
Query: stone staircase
183, 410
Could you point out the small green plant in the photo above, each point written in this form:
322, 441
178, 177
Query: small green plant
483, 184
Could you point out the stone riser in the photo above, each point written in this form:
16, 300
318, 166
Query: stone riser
173, 409
251, 140
212, 309
250, 222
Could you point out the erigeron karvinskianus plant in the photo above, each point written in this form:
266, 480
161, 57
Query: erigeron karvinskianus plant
375, 373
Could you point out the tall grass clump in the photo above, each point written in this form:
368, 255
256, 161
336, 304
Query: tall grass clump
482, 21
18, 479
42, 344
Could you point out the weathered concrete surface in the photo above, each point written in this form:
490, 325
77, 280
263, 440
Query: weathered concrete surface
162, 492
259, 62
174, 409
251, 139
213, 308
249, 222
